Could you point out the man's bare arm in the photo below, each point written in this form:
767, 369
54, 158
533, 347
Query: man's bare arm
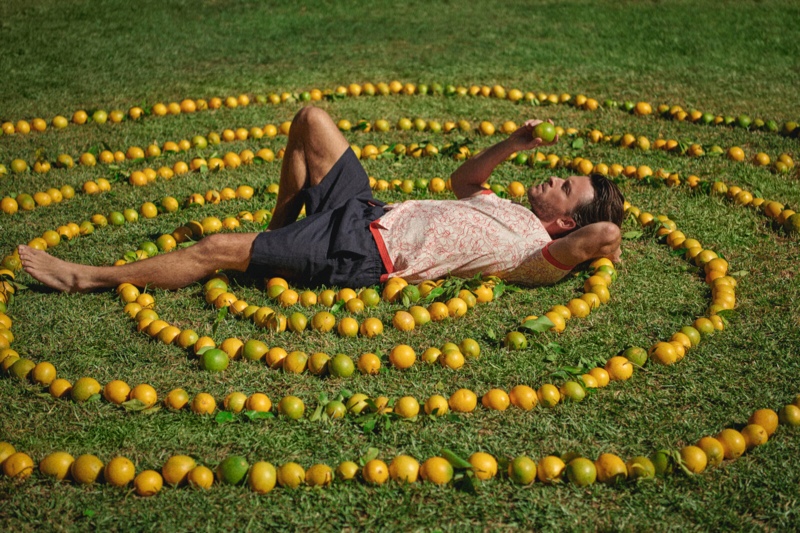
601, 239
468, 178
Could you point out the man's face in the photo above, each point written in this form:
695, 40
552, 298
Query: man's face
558, 197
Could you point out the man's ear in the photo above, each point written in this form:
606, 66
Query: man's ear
566, 224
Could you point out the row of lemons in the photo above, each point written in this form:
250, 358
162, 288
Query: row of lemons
193, 230
215, 357
782, 164
776, 211
27, 202
232, 160
262, 477
189, 106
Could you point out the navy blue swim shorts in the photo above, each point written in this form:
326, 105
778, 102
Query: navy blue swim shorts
332, 245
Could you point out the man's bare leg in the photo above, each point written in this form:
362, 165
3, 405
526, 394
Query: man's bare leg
315, 145
169, 271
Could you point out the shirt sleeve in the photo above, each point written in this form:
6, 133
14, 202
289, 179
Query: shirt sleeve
540, 268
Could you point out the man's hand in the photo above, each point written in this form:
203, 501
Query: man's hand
523, 138
616, 255
601, 239
467, 178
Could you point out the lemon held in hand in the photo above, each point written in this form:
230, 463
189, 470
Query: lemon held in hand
545, 131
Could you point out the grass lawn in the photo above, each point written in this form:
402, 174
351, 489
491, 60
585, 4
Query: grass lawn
730, 59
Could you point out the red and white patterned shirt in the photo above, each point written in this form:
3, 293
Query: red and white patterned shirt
429, 239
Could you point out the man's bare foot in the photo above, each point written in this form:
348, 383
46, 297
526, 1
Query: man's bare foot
53, 272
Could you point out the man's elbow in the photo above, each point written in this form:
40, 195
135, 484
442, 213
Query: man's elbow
609, 238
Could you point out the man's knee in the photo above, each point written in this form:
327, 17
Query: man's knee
310, 117
228, 250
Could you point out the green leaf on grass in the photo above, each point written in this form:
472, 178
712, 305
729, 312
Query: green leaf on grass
539, 325
224, 417
554, 347
456, 460
258, 415
134, 405
221, 314
498, 290
338, 305
317, 414
372, 453
631, 235
578, 143
368, 423
435, 293
467, 482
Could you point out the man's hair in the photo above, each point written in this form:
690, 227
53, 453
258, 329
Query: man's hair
606, 206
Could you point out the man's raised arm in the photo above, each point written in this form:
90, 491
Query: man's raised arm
601, 239
468, 178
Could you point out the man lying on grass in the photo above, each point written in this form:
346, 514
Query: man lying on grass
350, 239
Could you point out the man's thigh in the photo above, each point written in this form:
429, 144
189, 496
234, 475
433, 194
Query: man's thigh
346, 180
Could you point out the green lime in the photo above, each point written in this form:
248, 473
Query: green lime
335, 409
292, 407
199, 142
149, 248
370, 297
115, 218
636, 355
470, 348
522, 470
232, 470
792, 224
254, 350
131, 215
641, 468
85, 388
573, 390
341, 366
662, 463
743, 121
581, 472
214, 360
21, 368
515, 340
411, 292
545, 131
